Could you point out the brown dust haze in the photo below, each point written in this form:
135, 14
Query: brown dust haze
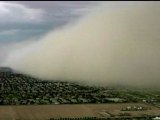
117, 44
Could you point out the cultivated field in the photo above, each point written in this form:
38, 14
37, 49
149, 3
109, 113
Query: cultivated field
42, 112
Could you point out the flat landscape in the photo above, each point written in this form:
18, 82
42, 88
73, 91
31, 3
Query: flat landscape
91, 60
44, 112
25, 98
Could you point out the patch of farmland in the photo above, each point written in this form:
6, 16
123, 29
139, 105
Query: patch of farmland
44, 112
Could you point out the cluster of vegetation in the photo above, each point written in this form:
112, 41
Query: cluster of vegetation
81, 118
19, 89
95, 118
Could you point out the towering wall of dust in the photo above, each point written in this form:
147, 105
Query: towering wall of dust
112, 45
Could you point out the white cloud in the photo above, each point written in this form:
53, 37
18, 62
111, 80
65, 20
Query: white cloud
13, 12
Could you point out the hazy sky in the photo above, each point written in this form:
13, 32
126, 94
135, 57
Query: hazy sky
23, 20
104, 43
113, 43
20, 20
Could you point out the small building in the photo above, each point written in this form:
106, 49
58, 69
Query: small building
73, 101
156, 118
83, 100
117, 100
134, 108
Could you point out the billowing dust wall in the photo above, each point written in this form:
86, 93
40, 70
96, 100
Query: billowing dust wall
117, 44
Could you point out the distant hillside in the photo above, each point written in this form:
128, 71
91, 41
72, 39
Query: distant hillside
18, 89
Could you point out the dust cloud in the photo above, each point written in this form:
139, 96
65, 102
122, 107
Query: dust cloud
117, 44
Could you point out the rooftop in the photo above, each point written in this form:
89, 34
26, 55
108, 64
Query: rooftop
5, 69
